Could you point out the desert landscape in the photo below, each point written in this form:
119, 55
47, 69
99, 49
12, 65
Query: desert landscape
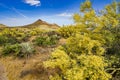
88, 49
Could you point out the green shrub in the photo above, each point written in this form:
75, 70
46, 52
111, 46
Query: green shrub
5, 40
2, 40
40, 41
11, 40
14, 49
46, 40
19, 50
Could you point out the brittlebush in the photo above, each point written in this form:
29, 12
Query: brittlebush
80, 59
77, 67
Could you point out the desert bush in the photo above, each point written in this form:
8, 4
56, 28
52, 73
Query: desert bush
112, 37
46, 40
2, 40
36, 31
27, 50
67, 31
14, 35
95, 43
81, 58
11, 49
40, 40
83, 44
77, 67
5, 40
113, 54
19, 50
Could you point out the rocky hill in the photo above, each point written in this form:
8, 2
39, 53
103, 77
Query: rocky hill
37, 24
41, 24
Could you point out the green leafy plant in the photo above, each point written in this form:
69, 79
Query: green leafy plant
11, 49
2, 40
46, 40
19, 50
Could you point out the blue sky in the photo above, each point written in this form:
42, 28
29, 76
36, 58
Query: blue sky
22, 12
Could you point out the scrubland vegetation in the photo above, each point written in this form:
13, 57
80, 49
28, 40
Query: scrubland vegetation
87, 50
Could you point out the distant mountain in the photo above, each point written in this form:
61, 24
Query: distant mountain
2, 26
41, 24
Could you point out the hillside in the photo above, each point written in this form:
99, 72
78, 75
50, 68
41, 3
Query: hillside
41, 24
2, 26
19, 64
37, 24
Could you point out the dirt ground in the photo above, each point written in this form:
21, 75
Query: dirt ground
30, 68
26, 69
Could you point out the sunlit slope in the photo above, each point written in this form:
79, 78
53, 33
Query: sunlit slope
41, 24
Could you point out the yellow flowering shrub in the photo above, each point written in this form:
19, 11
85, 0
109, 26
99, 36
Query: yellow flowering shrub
80, 59
79, 67
83, 57
36, 31
83, 44
86, 6
67, 31
77, 18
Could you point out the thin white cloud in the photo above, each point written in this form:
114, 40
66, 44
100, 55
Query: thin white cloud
15, 10
33, 2
65, 14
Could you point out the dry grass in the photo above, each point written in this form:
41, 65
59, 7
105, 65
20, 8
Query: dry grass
2, 73
13, 67
27, 69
